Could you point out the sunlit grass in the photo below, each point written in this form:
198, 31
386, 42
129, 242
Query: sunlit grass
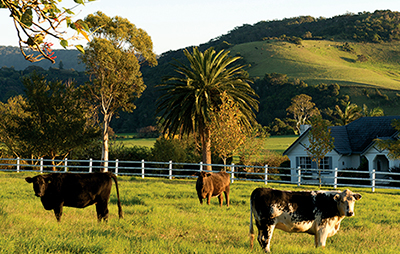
164, 216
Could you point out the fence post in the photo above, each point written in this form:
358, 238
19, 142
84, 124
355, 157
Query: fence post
143, 169
90, 165
116, 166
233, 172
18, 164
266, 174
170, 170
65, 165
373, 180
41, 165
298, 176
335, 179
201, 166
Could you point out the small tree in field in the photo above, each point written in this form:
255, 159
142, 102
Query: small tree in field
227, 132
321, 141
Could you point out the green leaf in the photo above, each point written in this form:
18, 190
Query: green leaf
80, 48
79, 1
64, 43
26, 18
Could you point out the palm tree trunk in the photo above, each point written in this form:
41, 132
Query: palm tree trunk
206, 147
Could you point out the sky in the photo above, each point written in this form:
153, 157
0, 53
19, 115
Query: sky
176, 24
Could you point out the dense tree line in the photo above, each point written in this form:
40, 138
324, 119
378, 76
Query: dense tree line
379, 26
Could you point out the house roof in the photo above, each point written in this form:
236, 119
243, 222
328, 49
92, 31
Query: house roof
359, 135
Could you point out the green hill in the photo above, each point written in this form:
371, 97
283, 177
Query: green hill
320, 61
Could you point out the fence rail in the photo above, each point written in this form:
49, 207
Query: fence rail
333, 177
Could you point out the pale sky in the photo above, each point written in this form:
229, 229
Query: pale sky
175, 24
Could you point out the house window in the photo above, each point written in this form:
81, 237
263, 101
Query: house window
325, 163
304, 162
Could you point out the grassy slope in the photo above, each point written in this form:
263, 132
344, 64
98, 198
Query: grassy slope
323, 62
164, 216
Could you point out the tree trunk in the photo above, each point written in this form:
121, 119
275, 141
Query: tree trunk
104, 150
206, 147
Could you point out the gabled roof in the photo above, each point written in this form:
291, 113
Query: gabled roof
359, 135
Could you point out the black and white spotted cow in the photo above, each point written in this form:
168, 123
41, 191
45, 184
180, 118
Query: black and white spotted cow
318, 213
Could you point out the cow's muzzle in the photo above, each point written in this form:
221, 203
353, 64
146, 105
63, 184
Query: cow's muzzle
350, 214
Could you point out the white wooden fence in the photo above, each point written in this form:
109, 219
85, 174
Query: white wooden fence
335, 178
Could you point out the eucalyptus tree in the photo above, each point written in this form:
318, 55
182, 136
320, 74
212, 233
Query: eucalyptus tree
113, 58
191, 95
302, 109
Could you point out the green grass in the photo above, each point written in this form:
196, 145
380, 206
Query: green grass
323, 62
164, 216
275, 143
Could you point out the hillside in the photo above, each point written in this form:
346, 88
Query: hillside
360, 52
322, 61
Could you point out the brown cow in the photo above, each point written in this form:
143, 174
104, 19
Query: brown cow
211, 185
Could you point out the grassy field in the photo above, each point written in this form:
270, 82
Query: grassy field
164, 216
276, 143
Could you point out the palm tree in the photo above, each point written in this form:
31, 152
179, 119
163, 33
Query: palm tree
350, 113
190, 96
372, 112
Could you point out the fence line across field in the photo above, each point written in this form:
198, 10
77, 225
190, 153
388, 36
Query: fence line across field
327, 177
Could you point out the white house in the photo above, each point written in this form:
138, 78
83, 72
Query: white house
352, 143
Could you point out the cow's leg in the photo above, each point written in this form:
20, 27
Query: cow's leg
58, 210
320, 237
209, 197
102, 211
221, 199
265, 235
227, 196
201, 199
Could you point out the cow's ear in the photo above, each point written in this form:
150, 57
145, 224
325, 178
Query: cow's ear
208, 174
357, 196
336, 197
29, 179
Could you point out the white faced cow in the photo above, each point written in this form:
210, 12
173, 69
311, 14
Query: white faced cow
75, 190
317, 213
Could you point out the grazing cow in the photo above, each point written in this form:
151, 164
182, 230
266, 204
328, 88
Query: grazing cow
317, 213
211, 185
75, 190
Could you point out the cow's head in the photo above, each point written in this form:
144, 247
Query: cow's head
345, 202
203, 174
40, 184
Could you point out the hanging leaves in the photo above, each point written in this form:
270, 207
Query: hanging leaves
36, 20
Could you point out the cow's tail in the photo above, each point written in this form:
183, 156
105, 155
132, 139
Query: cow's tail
251, 230
120, 213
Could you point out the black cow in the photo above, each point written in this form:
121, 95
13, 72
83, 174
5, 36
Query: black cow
317, 213
75, 190
211, 185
